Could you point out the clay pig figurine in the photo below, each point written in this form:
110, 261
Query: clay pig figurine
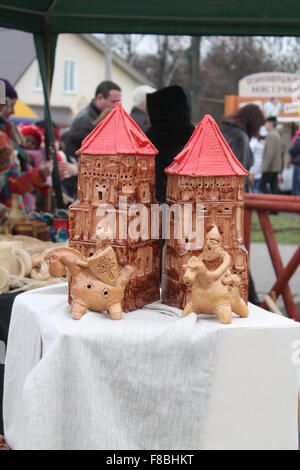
215, 290
95, 282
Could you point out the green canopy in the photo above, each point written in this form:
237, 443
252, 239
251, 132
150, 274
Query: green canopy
191, 17
47, 18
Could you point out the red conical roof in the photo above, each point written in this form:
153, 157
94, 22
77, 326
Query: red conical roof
206, 154
117, 134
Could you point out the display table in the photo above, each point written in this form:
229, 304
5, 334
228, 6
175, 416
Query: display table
149, 381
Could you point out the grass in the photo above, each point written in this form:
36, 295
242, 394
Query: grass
285, 226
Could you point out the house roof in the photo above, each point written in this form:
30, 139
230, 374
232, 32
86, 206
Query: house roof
117, 134
134, 73
16, 55
206, 154
22, 53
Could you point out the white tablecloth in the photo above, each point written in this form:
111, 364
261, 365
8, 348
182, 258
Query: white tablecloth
148, 381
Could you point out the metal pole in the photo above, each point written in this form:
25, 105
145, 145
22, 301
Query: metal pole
108, 57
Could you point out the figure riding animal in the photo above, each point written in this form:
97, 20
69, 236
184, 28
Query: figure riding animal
215, 290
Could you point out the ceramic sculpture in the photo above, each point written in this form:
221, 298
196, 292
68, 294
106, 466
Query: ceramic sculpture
215, 289
22, 265
117, 160
4, 280
95, 282
17, 223
15, 258
205, 174
15, 214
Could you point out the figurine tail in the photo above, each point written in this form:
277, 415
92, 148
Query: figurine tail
125, 275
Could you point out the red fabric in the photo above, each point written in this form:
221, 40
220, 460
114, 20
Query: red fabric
59, 157
5, 144
56, 134
25, 183
45, 190
206, 154
295, 137
3, 140
117, 134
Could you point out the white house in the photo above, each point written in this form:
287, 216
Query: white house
79, 68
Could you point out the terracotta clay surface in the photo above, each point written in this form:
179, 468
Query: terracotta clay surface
117, 161
206, 175
95, 283
215, 289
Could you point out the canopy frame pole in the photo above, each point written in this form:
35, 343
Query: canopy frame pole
45, 45
21, 10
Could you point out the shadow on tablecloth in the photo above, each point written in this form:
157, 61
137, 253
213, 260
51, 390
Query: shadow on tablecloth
6, 303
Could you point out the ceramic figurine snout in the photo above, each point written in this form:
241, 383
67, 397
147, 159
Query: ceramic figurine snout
95, 282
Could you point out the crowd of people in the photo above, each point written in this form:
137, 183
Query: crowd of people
19, 174
259, 146
164, 115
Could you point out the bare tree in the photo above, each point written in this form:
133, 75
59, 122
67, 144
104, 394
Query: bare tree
228, 60
285, 49
209, 67
125, 45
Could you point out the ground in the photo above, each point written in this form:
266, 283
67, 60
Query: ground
263, 272
287, 233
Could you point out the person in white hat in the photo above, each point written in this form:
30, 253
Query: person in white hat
139, 110
257, 145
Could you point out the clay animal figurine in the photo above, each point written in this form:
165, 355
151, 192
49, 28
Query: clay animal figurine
40, 269
95, 282
215, 290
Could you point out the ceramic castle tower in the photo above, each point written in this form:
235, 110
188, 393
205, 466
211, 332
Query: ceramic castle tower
205, 173
117, 160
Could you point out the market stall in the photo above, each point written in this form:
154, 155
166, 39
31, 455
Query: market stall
241, 366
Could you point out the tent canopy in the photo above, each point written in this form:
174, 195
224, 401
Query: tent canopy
23, 113
22, 110
191, 17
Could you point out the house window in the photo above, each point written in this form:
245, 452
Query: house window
37, 78
69, 76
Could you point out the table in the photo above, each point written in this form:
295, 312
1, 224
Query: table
150, 381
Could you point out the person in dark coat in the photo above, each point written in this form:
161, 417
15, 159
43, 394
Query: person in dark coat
238, 130
169, 111
107, 93
295, 154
